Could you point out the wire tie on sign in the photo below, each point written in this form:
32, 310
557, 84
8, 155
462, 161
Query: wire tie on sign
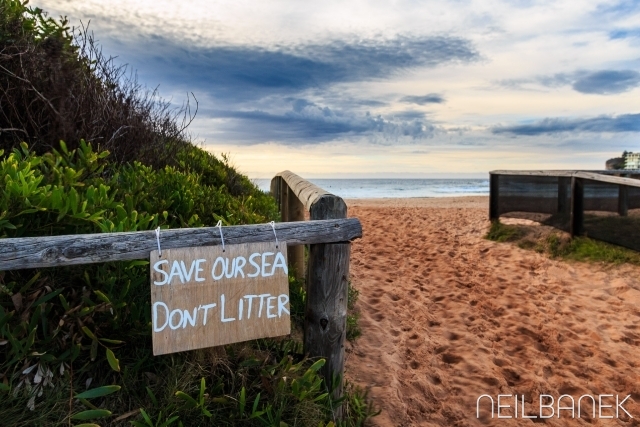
219, 225
158, 240
273, 226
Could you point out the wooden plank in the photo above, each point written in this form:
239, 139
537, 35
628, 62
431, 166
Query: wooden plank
326, 309
623, 200
284, 201
307, 192
207, 296
328, 206
563, 172
494, 197
603, 176
610, 179
296, 253
577, 206
568, 173
274, 189
53, 251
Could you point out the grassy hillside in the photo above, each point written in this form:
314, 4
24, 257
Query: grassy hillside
75, 342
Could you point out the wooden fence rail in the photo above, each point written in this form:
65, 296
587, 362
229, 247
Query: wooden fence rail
54, 251
326, 275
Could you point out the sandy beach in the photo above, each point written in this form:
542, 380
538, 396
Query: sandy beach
448, 316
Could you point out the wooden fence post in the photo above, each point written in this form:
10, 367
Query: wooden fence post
284, 201
327, 273
326, 306
623, 200
275, 189
577, 206
296, 253
494, 196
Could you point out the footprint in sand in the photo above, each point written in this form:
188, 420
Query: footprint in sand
491, 381
452, 336
451, 358
500, 362
511, 376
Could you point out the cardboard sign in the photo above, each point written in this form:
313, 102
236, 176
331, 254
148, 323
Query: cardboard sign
204, 297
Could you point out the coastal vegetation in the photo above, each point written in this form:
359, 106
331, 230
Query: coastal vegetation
557, 244
85, 149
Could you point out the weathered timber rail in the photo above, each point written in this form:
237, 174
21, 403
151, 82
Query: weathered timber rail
326, 274
579, 202
55, 251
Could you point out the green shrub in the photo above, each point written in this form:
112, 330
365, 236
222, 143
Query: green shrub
503, 233
70, 324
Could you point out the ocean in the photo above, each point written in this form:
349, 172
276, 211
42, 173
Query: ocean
397, 188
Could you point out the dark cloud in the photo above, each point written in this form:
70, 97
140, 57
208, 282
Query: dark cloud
240, 73
432, 98
409, 115
603, 82
607, 82
371, 103
621, 123
311, 123
263, 94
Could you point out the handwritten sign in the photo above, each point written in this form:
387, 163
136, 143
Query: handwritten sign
204, 297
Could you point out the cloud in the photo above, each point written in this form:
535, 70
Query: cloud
607, 82
552, 81
308, 122
603, 82
431, 98
624, 34
622, 8
298, 92
408, 115
601, 124
241, 73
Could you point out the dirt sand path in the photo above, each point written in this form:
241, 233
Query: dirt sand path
448, 316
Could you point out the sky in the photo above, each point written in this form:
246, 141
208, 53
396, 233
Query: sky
393, 88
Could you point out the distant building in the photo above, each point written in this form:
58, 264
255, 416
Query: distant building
632, 161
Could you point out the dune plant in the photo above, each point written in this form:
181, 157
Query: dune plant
560, 245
